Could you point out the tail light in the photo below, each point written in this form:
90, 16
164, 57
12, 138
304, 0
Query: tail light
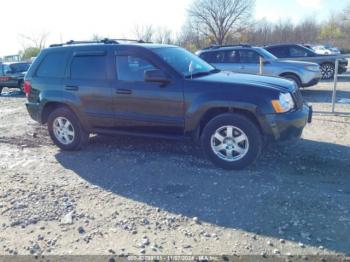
4, 79
26, 88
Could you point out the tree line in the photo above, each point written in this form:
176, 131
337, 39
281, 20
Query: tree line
230, 22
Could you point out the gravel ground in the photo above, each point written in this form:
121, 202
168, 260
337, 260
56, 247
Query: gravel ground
142, 196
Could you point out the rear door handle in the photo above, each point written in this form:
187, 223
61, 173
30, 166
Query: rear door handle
124, 91
72, 88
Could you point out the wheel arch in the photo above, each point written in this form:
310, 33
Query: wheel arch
216, 111
51, 106
285, 74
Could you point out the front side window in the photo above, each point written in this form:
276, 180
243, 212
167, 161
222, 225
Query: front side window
231, 57
280, 51
249, 57
215, 57
297, 52
184, 62
132, 68
53, 65
89, 67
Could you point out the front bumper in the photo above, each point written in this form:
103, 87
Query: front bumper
289, 125
34, 110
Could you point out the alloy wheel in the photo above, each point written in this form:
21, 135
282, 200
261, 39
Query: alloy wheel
63, 130
230, 143
327, 71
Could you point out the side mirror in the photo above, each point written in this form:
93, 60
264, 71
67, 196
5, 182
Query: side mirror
156, 76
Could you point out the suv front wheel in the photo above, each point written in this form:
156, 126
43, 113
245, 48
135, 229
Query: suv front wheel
232, 141
65, 130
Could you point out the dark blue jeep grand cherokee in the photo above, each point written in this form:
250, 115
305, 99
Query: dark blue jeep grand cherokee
151, 90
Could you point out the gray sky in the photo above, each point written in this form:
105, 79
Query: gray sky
80, 19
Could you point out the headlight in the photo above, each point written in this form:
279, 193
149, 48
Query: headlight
312, 68
284, 104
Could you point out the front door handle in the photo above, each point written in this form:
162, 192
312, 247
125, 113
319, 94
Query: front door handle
72, 88
124, 91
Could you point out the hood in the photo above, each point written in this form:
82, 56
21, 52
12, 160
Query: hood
226, 77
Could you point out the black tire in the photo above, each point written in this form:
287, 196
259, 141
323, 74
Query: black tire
1, 90
81, 137
293, 78
327, 71
21, 86
241, 122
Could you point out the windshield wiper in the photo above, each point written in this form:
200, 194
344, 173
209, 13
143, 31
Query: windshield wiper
205, 73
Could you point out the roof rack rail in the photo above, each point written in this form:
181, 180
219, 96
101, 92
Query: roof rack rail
219, 46
140, 41
102, 41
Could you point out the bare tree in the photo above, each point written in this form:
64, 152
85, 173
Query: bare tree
219, 18
347, 13
36, 41
163, 35
144, 32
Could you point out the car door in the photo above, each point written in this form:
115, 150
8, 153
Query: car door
146, 107
88, 87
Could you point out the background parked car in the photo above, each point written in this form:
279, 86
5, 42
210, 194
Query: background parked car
301, 53
321, 50
246, 59
12, 74
334, 50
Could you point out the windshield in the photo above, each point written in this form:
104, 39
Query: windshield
184, 62
4, 69
19, 68
266, 54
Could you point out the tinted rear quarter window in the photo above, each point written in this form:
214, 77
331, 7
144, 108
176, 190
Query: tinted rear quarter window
53, 65
89, 67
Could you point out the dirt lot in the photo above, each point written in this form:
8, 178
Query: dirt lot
141, 196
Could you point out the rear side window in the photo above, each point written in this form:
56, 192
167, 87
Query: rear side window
53, 65
89, 67
213, 57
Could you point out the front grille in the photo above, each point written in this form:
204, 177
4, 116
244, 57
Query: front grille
298, 98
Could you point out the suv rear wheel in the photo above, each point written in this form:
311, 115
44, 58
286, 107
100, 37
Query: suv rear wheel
65, 130
232, 141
